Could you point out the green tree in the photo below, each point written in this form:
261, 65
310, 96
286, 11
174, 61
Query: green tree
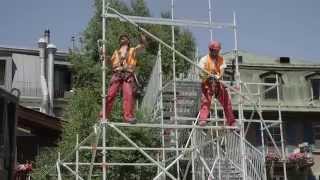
82, 111
81, 115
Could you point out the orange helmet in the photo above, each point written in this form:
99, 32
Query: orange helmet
214, 45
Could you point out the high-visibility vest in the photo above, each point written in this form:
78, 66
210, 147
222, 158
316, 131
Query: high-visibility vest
212, 66
128, 64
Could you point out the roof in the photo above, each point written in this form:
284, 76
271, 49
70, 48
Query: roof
60, 55
31, 119
28, 50
35, 120
249, 58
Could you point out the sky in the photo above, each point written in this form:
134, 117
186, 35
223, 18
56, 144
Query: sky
270, 27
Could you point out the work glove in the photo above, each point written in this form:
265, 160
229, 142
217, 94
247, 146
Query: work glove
213, 77
142, 39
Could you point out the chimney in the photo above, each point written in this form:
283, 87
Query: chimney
51, 52
47, 36
73, 40
42, 44
284, 60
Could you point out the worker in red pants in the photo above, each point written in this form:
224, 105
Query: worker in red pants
123, 63
210, 86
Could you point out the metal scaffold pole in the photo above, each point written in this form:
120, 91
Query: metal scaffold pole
240, 100
58, 168
94, 150
161, 110
174, 88
210, 19
218, 142
283, 156
77, 156
104, 159
262, 134
103, 60
237, 73
193, 156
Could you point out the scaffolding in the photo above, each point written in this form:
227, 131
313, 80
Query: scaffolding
215, 151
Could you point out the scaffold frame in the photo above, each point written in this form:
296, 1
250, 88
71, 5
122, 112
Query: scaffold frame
225, 142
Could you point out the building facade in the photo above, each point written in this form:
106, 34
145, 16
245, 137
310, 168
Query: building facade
41, 80
285, 89
21, 69
299, 89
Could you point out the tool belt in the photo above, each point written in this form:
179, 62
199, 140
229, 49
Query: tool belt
129, 77
214, 85
123, 75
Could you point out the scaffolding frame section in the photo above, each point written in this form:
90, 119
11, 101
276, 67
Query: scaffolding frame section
172, 22
213, 151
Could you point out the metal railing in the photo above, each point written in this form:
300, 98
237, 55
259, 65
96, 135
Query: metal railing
29, 89
153, 88
254, 158
32, 89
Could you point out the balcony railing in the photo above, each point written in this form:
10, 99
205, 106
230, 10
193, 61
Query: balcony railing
30, 89
298, 157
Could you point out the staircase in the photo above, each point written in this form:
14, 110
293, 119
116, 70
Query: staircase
228, 163
218, 152
187, 106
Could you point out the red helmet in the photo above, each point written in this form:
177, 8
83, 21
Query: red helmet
216, 45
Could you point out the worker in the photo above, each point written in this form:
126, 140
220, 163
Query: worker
214, 64
124, 61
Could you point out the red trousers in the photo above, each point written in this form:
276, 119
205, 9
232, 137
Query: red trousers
126, 82
208, 90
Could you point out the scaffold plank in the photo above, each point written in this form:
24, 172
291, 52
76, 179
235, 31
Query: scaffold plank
169, 126
183, 118
109, 164
133, 148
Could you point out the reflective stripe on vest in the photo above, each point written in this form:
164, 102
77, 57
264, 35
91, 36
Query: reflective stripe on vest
128, 64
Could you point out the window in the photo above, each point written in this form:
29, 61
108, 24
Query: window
62, 81
315, 85
276, 135
2, 72
316, 134
270, 91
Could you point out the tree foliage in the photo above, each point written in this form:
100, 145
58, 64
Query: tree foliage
83, 107
81, 114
